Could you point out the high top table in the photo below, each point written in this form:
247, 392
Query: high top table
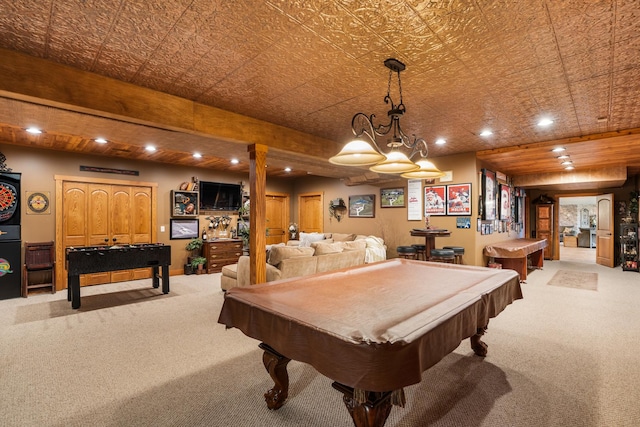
372, 329
430, 237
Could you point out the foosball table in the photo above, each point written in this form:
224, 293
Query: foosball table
97, 259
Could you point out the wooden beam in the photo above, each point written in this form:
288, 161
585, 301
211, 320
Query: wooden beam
48, 83
258, 213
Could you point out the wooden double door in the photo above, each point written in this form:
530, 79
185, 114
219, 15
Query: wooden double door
93, 213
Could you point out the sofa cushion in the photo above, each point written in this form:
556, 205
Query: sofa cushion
306, 239
354, 246
322, 248
279, 253
230, 271
330, 262
343, 237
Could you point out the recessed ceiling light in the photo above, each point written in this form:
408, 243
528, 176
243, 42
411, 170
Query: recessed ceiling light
287, 169
33, 130
567, 162
558, 149
150, 148
235, 161
545, 122
486, 132
197, 155
100, 140
441, 141
564, 156
569, 168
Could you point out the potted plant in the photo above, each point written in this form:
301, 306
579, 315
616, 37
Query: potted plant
197, 264
194, 245
243, 233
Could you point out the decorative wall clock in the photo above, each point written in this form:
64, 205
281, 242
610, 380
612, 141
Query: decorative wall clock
38, 202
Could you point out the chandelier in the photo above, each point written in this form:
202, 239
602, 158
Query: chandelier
359, 152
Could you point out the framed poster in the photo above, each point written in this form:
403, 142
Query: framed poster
459, 199
488, 195
392, 197
184, 228
184, 203
435, 200
362, 206
414, 200
505, 202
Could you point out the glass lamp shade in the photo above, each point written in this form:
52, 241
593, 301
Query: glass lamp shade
427, 170
396, 162
357, 153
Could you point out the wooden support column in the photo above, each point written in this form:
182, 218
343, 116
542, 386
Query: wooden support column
258, 213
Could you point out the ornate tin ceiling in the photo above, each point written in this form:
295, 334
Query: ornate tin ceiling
310, 65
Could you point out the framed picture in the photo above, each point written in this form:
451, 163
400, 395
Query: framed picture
392, 197
362, 206
184, 228
459, 199
488, 195
184, 203
435, 199
505, 202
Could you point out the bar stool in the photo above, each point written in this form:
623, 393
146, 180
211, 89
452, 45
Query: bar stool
458, 252
407, 252
421, 252
442, 255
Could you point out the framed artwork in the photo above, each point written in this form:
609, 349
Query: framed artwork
184, 228
459, 199
505, 202
362, 206
488, 195
435, 200
392, 197
184, 203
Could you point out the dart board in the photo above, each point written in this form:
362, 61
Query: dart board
8, 201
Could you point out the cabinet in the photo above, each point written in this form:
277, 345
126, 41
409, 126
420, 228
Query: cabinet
544, 227
220, 253
629, 247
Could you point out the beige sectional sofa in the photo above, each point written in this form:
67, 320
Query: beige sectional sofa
293, 260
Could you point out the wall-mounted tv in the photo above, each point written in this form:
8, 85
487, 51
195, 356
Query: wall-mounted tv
218, 196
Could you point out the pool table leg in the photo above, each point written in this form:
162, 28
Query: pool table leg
276, 365
371, 413
479, 347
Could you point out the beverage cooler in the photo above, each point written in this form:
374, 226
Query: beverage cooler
10, 241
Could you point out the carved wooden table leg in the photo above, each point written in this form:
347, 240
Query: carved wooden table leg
372, 413
276, 365
479, 347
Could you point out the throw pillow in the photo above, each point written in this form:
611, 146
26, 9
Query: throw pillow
354, 246
343, 237
306, 239
322, 248
279, 253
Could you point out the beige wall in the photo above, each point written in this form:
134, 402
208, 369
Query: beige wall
391, 223
38, 168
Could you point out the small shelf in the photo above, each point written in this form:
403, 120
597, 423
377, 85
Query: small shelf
629, 247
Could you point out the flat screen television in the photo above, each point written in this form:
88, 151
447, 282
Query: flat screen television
218, 196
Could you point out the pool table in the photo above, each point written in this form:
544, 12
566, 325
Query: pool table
372, 329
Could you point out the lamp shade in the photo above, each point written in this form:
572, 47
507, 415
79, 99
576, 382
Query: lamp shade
357, 153
396, 162
427, 170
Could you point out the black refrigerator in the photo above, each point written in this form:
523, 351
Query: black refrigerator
10, 241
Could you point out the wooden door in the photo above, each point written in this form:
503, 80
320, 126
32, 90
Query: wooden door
311, 213
544, 227
103, 213
605, 228
277, 216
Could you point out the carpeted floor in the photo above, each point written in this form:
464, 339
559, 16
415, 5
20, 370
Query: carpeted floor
134, 357
575, 279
